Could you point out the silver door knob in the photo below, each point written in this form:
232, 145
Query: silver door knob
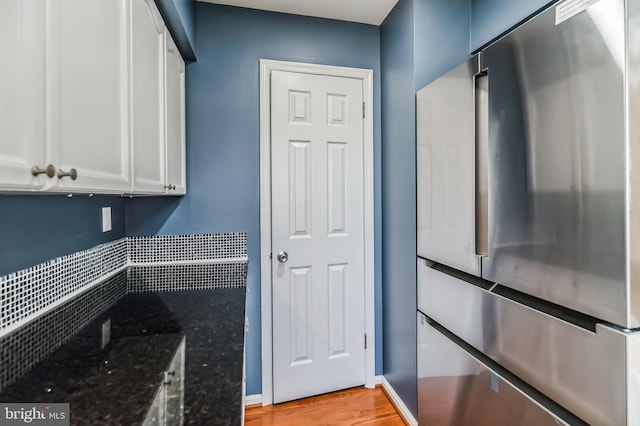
283, 257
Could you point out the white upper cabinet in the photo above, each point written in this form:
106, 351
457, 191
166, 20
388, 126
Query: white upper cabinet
22, 112
175, 118
85, 105
147, 94
87, 95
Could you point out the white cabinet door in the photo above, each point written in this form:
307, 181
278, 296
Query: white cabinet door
22, 114
147, 88
87, 97
175, 119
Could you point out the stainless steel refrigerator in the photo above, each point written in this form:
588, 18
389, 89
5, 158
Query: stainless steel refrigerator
529, 225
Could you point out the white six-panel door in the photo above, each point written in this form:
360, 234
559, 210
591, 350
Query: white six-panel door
317, 210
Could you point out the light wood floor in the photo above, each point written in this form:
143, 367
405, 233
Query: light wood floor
357, 406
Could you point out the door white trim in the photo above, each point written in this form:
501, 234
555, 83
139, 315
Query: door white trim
266, 67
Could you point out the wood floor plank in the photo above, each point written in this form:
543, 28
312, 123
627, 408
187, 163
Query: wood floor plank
357, 406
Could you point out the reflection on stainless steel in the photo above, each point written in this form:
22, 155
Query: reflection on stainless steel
557, 161
455, 389
633, 174
168, 405
606, 18
580, 370
446, 176
633, 374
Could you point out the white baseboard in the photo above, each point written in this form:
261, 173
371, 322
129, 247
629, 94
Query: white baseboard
397, 401
257, 398
253, 399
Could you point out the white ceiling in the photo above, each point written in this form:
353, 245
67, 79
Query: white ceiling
364, 11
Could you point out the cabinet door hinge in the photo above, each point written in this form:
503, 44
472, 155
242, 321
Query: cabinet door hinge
364, 109
365, 340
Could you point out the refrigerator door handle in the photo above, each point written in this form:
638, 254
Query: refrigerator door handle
481, 84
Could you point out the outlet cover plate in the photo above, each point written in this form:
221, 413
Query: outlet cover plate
106, 219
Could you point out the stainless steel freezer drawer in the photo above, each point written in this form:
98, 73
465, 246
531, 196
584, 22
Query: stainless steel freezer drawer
456, 389
581, 370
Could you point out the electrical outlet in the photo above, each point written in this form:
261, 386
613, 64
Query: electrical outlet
106, 333
106, 219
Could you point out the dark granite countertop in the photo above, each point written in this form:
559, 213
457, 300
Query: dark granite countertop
116, 384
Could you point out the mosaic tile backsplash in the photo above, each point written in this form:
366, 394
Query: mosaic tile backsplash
26, 292
28, 296
143, 279
179, 248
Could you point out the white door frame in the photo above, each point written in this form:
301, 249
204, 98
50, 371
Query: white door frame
266, 66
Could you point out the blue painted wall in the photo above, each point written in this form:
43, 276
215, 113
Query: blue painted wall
223, 133
420, 40
187, 13
491, 18
179, 16
442, 31
399, 202
37, 228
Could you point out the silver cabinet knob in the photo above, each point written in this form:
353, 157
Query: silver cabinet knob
73, 174
49, 171
283, 257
